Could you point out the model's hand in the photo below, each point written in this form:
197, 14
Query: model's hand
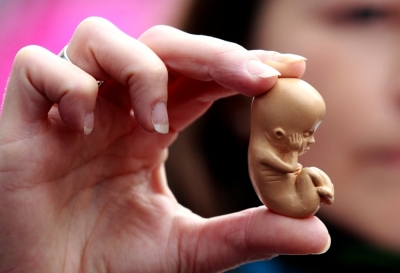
82, 182
298, 169
296, 140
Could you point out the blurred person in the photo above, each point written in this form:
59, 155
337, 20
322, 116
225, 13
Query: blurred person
352, 51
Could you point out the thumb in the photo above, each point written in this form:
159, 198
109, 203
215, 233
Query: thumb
256, 234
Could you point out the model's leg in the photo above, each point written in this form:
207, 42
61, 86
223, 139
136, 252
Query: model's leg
307, 192
323, 185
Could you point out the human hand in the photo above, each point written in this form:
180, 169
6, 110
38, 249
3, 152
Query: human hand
82, 181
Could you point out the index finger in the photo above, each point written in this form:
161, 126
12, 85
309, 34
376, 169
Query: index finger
210, 59
224, 68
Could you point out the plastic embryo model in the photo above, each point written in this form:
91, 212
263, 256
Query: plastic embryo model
283, 123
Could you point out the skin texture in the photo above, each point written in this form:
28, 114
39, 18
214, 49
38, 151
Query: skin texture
283, 123
352, 49
82, 180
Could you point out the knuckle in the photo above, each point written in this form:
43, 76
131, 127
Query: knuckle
30, 61
158, 70
155, 31
91, 29
224, 48
159, 33
87, 85
27, 54
149, 74
88, 24
153, 72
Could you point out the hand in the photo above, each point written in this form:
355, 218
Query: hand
82, 181
298, 169
296, 140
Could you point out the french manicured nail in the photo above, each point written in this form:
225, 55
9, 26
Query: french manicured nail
288, 58
88, 123
160, 118
261, 70
328, 245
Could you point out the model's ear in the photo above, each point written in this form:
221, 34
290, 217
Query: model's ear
279, 133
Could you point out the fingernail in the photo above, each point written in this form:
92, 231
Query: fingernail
261, 70
328, 245
160, 118
288, 58
88, 123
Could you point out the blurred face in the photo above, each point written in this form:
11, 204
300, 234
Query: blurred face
353, 52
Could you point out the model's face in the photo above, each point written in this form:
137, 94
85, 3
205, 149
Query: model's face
308, 137
353, 52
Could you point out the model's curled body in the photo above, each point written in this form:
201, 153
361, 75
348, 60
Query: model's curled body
283, 124
299, 194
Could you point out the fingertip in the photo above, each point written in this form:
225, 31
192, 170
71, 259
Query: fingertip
152, 117
160, 117
149, 99
289, 65
88, 123
261, 70
288, 58
258, 87
76, 106
327, 246
315, 237
288, 69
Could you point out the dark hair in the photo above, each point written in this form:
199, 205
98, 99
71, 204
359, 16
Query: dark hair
225, 19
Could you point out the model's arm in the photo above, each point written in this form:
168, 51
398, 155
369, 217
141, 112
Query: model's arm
268, 156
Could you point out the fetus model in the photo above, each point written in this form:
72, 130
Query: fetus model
283, 123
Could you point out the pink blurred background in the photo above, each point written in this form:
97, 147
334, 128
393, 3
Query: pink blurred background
51, 24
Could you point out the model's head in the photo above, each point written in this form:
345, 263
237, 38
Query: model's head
291, 107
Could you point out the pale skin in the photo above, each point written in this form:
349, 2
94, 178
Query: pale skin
82, 181
278, 136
